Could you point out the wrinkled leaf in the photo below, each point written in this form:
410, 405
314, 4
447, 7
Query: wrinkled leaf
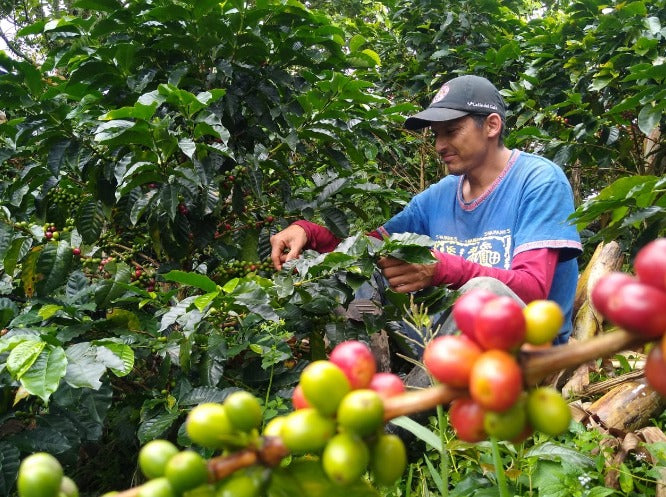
43, 378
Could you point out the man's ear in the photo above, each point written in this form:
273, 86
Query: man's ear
493, 125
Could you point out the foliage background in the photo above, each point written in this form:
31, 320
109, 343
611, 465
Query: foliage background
166, 140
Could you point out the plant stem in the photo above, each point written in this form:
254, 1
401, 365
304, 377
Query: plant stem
537, 364
420, 400
444, 453
499, 468
270, 385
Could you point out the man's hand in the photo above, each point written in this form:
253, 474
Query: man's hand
404, 277
287, 245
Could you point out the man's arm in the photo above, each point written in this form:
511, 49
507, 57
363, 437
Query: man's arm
291, 241
530, 275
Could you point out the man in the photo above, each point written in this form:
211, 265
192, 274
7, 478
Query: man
500, 213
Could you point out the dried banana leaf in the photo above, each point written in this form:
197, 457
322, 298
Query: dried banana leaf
578, 380
602, 387
628, 406
607, 257
587, 323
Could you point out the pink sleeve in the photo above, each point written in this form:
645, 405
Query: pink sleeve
320, 238
530, 276
376, 234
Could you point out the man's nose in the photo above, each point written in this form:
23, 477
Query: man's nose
440, 144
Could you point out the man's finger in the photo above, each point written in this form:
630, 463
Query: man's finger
292, 254
277, 249
386, 262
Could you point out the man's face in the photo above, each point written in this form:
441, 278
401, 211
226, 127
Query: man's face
461, 144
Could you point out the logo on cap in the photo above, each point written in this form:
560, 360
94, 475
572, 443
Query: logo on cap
443, 92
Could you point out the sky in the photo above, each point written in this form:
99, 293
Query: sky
8, 29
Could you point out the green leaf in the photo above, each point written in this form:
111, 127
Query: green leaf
90, 220
53, 267
123, 318
19, 246
649, 117
419, 431
626, 479
110, 130
553, 452
284, 285
32, 29
205, 300
250, 295
187, 102
202, 7
8, 310
249, 244
123, 354
173, 313
56, 156
155, 425
409, 247
29, 269
336, 221
48, 311
373, 56
9, 464
141, 204
101, 5
87, 408
43, 439
199, 395
83, 368
111, 288
435, 475
43, 378
137, 111
23, 356
600, 492
192, 279
188, 147
356, 42
414, 255
332, 188
410, 239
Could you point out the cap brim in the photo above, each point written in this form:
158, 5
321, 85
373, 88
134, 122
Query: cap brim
430, 115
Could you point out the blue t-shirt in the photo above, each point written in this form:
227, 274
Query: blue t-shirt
525, 208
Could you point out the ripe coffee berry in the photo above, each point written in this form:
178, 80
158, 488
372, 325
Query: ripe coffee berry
500, 324
356, 361
450, 359
495, 380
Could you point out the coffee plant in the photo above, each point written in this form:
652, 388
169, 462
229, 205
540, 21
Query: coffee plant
338, 421
149, 148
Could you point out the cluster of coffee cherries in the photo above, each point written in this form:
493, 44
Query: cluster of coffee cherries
637, 304
232, 177
248, 221
144, 277
51, 231
339, 416
235, 268
227, 426
481, 362
41, 475
65, 198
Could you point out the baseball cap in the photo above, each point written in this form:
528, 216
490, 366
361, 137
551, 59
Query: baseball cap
459, 97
